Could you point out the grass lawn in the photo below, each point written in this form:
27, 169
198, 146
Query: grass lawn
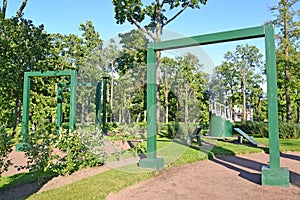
174, 153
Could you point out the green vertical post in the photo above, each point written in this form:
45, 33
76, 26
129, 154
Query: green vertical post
151, 161
104, 121
73, 85
25, 111
98, 106
59, 106
273, 174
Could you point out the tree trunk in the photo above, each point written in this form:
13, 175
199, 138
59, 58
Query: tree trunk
166, 107
112, 90
244, 100
186, 106
287, 75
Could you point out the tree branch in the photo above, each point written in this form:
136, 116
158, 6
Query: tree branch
176, 15
4, 8
141, 28
20, 11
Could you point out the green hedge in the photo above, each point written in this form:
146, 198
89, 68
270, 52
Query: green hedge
176, 129
287, 130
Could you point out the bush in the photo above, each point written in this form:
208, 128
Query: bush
177, 129
82, 148
38, 147
287, 130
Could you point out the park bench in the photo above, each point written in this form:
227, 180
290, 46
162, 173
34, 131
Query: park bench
195, 134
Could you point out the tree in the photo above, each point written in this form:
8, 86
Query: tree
109, 55
132, 64
169, 69
241, 73
24, 47
286, 21
151, 19
18, 13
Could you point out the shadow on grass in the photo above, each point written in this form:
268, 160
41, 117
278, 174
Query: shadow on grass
22, 186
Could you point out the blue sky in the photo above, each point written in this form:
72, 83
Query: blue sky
64, 16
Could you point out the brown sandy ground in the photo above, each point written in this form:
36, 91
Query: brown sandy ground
224, 177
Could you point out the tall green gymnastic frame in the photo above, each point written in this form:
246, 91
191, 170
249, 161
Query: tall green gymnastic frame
271, 175
26, 98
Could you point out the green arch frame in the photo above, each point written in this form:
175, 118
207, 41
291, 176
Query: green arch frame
271, 175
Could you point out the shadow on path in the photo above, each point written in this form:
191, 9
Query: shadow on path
241, 165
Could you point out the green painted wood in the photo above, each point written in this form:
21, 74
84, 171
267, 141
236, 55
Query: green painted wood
26, 97
226, 36
266, 31
98, 105
51, 73
151, 104
219, 127
104, 124
275, 176
25, 112
59, 107
72, 114
272, 97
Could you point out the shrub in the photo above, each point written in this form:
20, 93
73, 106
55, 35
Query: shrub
254, 128
38, 147
83, 149
177, 129
289, 130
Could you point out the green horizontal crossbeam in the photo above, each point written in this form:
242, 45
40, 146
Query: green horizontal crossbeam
51, 73
226, 36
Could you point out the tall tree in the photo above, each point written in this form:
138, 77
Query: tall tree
151, 19
132, 62
286, 21
169, 69
24, 47
18, 13
246, 62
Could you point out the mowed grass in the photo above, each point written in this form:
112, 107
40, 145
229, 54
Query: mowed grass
95, 187
285, 145
174, 154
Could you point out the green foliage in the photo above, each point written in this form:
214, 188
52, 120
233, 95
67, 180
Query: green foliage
238, 80
253, 128
23, 47
176, 129
154, 14
287, 56
6, 144
128, 131
287, 130
38, 149
82, 150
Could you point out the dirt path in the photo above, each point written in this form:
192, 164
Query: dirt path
220, 178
